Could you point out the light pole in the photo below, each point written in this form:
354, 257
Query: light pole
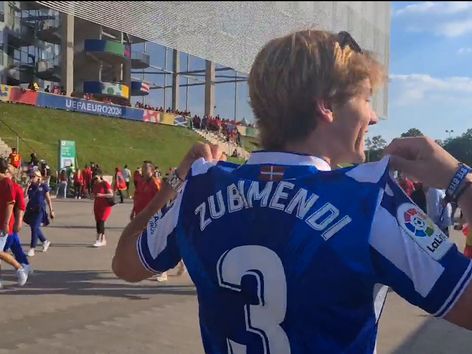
450, 132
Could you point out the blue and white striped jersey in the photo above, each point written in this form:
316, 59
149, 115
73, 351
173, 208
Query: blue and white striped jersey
290, 257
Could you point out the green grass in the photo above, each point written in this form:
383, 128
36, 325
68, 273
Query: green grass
110, 142
250, 144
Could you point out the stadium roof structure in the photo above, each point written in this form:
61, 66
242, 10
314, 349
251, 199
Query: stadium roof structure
231, 33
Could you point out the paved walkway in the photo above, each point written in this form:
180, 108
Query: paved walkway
74, 304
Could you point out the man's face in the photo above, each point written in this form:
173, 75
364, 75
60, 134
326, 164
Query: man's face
148, 170
351, 123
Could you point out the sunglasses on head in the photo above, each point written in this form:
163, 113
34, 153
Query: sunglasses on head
344, 39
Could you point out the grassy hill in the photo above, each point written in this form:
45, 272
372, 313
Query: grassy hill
109, 142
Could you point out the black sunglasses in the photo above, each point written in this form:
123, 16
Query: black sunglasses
344, 39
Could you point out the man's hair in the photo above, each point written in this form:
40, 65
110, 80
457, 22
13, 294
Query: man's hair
3, 165
291, 72
13, 149
149, 162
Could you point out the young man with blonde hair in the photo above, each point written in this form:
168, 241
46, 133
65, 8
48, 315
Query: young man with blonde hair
288, 255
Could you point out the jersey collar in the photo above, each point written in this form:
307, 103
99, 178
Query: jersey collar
288, 159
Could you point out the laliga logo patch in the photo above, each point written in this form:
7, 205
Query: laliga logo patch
418, 223
422, 230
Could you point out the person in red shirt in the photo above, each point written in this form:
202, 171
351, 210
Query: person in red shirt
137, 175
16, 224
88, 176
15, 161
407, 185
7, 203
101, 207
14, 158
146, 190
119, 183
78, 184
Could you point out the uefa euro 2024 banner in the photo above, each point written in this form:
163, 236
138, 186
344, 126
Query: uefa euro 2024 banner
90, 107
93, 107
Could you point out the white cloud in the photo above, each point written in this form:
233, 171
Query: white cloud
464, 51
449, 19
430, 7
411, 88
455, 28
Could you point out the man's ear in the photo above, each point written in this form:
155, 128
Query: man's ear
324, 109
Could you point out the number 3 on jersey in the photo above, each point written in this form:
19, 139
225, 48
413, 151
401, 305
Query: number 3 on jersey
263, 319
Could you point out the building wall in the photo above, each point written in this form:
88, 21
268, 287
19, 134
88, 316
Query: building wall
217, 30
84, 67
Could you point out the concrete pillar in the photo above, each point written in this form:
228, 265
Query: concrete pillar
67, 52
127, 67
175, 79
209, 87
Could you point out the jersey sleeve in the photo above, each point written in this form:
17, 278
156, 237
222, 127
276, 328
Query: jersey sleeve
413, 256
157, 246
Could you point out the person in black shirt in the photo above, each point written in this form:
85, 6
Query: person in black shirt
419, 196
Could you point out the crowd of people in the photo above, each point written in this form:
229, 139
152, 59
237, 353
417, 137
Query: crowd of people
88, 182
161, 109
56, 89
228, 128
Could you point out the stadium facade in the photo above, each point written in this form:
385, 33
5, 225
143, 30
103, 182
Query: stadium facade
87, 46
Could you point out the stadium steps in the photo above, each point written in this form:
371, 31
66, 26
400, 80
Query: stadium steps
5, 150
219, 139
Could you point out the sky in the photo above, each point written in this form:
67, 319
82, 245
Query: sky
430, 70
430, 73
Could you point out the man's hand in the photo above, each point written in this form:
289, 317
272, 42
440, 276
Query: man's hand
52, 214
126, 263
209, 152
424, 160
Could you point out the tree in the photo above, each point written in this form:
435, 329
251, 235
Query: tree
378, 143
412, 132
461, 147
375, 148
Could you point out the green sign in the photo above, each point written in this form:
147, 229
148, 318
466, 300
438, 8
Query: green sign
67, 154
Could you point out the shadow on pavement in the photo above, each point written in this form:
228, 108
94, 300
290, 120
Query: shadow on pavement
70, 245
92, 283
26, 246
82, 227
436, 336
